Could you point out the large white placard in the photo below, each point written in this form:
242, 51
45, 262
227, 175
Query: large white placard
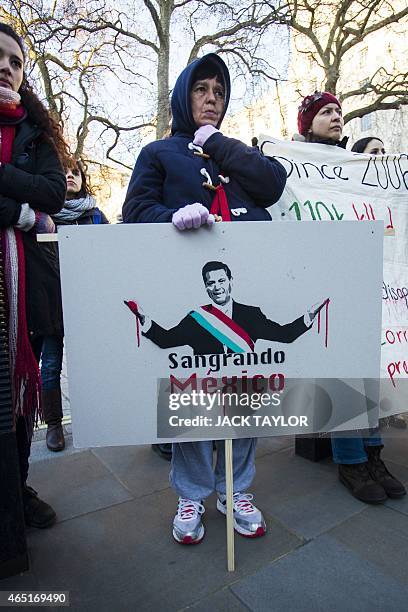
278, 270
330, 184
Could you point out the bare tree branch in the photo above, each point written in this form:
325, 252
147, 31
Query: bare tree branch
328, 30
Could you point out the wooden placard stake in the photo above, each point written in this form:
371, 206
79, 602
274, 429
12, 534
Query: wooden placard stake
230, 505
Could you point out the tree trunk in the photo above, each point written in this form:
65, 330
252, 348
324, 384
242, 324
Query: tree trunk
49, 94
332, 78
163, 104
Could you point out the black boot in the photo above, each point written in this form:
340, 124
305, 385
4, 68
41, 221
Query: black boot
37, 513
358, 479
376, 466
52, 409
163, 450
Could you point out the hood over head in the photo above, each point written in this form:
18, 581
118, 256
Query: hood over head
183, 121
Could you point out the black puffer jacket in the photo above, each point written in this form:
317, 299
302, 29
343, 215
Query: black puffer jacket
35, 175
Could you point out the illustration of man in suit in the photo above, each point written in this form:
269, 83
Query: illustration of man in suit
225, 325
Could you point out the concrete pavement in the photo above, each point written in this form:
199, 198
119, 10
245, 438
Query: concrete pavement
112, 546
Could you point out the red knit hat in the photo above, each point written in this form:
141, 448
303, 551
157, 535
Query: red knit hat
311, 106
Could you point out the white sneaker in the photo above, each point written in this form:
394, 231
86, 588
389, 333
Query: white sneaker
248, 520
187, 525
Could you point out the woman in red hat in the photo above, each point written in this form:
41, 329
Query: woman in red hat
361, 468
320, 119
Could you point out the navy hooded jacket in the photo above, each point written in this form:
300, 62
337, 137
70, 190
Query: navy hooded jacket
167, 175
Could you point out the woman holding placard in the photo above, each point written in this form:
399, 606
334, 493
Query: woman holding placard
192, 179
360, 466
375, 146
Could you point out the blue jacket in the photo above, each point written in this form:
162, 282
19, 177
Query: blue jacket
167, 175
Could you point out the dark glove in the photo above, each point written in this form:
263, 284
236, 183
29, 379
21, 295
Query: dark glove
43, 223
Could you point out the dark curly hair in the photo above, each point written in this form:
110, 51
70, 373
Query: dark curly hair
74, 164
36, 111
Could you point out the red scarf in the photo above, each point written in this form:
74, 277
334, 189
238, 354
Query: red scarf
10, 114
26, 376
220, 205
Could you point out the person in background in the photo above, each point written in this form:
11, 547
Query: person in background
80, 206
360, 466
372, 145
320, 120
32, 187
183, 180
79, 209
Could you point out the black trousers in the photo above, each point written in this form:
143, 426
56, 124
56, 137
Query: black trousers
23, 435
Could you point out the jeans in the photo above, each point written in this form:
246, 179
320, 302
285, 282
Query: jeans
192, 474
51, 362
352, 450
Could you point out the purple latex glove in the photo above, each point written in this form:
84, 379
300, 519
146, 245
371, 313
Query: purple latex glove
43, 223
203, 133
192, 216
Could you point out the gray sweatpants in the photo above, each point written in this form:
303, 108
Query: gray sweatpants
192, 474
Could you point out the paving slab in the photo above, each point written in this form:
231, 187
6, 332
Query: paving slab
76, 484
322, 576
380, 536
40, 452
26, 582
399, 505
396, 446
305, 496
113, 548
140, 469
265, 446
124, 557
222, 601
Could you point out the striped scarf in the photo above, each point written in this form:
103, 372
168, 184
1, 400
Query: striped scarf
223, 328
24, 367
